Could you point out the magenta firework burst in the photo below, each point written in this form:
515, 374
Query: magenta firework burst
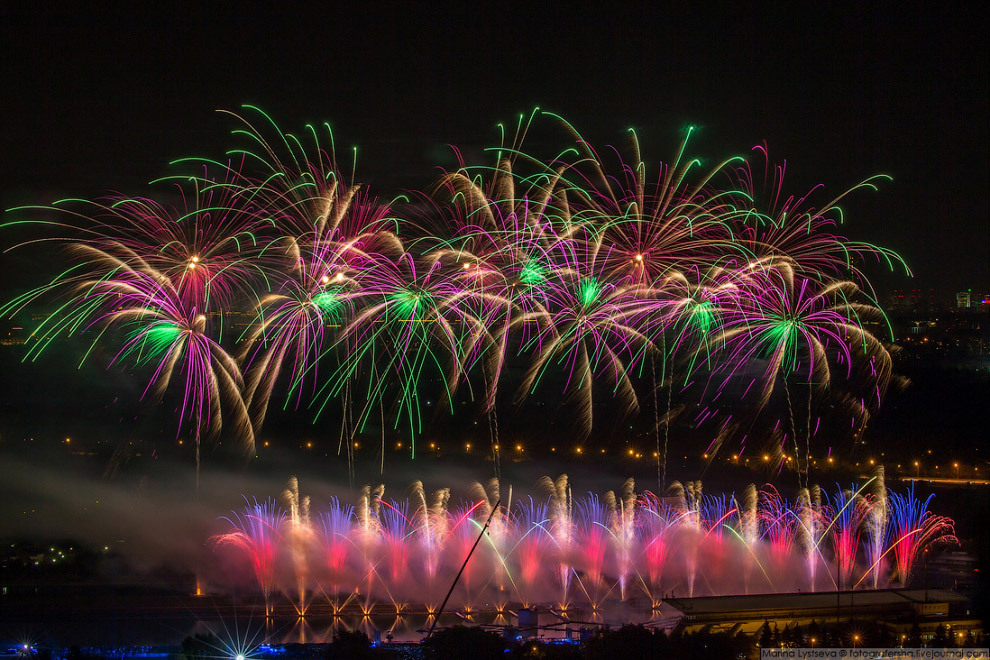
597, 279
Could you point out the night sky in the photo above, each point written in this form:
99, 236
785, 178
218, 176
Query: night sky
102, 100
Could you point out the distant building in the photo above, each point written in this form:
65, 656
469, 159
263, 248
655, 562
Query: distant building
963, 300
920, 300
12, 336
897, 609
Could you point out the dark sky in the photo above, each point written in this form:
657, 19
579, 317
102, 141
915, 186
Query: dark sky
95, 100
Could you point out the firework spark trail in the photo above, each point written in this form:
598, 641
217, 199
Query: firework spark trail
623, 529
641, 230
689, 497
913, 529
580, 264
851, 510
811, 527
656, 522
587, 331
569, 551
500, 250
154, 283
257, 533
716, 511
748, 524
463, 536
531, 546
797, 326
329, 233
591, 537
299, 535
500, 524
395, 528
560, 509
336, 527
296, 323
161, 331
432, 524
772, 224
877, 525
413, 321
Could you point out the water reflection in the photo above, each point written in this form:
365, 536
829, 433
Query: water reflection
241, 631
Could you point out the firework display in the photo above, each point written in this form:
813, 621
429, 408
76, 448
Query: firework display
580, 275
586, 551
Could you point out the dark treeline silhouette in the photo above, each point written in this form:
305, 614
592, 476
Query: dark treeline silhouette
629, 642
